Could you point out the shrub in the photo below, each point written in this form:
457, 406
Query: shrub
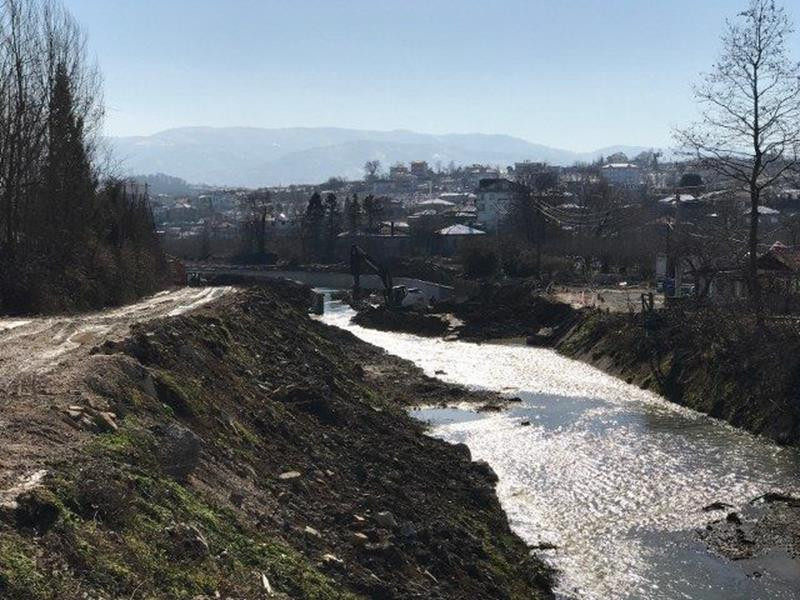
479, 260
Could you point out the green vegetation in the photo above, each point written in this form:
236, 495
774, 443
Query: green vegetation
124, 529
260, 445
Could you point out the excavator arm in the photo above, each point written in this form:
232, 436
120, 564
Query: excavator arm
392, 297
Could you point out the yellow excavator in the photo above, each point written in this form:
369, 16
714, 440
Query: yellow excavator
393, 295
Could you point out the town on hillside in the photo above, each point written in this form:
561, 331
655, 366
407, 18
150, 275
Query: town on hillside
622, 220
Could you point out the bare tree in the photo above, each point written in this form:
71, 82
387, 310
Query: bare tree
371, 169
749, 131
257, 208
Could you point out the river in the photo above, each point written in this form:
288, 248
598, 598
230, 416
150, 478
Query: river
615, 477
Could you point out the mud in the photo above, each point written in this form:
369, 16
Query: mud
762, 536
248, 451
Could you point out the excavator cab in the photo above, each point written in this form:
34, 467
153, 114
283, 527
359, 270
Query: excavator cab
397, 294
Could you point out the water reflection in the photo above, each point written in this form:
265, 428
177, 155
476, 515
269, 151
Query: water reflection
612, 475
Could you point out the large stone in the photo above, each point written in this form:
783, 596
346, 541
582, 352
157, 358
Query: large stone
189, 541
386, 520
178, 450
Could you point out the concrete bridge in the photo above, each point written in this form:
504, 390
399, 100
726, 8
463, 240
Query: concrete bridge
324, 279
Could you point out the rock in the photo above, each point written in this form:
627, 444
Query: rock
543, 546
190, 542
386, 520
733, 518
525, 423
772, 497
331, 559
289, 475
312, 532
358, 539
178, 450
105, 421
266, 585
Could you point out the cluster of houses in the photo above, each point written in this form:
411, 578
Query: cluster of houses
420, 210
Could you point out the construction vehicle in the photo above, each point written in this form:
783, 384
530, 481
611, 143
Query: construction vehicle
395, 296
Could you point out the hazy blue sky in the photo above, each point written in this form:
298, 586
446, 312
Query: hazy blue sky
577, 74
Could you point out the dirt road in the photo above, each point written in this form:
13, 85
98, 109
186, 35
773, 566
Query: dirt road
36, 346
44, 362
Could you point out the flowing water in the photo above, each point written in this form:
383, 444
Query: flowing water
613, 476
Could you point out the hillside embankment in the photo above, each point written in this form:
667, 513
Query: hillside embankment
244, 450
712, 361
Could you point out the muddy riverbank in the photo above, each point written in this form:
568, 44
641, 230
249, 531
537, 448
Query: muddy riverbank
245, 450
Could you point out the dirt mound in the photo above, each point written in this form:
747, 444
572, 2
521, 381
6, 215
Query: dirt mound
410, 321
255, 453
513, 308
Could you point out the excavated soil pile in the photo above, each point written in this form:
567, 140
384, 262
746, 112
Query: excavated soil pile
379, 317
247, 451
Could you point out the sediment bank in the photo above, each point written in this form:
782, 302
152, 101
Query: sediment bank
245, 450
712, 362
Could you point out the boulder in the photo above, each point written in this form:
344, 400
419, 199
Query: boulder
189, 541
385, 520
178, 450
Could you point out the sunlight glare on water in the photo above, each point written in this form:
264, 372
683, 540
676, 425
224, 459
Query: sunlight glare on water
614, 476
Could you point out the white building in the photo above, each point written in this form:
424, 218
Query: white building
495, 199
622, 174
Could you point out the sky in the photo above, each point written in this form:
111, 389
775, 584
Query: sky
574, 74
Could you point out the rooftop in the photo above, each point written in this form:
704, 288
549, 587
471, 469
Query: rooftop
460, 230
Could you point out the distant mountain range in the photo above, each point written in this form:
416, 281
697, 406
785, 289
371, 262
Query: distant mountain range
249, 156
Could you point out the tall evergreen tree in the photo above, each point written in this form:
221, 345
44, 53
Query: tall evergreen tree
68, 185
333, 224
312, 226
353, 213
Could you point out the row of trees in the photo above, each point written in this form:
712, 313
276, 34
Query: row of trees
66, 241
324, 219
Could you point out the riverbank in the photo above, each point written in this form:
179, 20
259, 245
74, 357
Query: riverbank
715, 362
762, 535
656, 475
246, 450
712, 361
